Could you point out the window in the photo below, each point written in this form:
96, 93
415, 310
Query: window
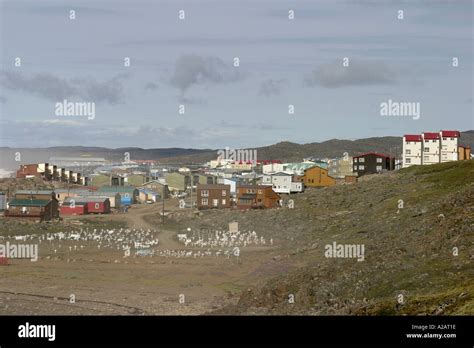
204, 201
224, 193
223, 202
260, 192
205, 193
408, 160
378, 168
408, 143
215, 202
451, 138
362, 159
408, 152
355, 159
426, 149
379, 160
361, 167
96, 206
426, 158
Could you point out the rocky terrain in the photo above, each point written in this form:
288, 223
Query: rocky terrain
418, 259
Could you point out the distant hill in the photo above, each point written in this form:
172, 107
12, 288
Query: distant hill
285, 151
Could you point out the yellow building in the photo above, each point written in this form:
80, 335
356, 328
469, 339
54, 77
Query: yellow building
317, 177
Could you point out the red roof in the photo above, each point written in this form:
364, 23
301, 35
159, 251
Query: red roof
450, 134
412, 137
373, 154
431, 136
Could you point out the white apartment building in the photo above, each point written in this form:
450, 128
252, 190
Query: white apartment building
429, 148
449, 145
272, 168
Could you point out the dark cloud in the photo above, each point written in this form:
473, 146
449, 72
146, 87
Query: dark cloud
54, 88
358, 73
192, 69
271, 87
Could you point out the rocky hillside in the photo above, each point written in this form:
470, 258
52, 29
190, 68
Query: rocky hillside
418, 259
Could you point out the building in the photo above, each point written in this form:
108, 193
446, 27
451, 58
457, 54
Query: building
317, 177
449, 145
62, 194
3, 201
231, 182
128, 194
213, 196
372, 163
41, 205
464, 152
281, 182
299, 167
412, 150
272, 168
146, 195
95, 205
204, 179
178, 181
28, 171
114, 197
340, 167
70, 207
159, 186
137, 179
430, 148
256, 197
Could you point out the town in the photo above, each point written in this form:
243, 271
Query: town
95, 186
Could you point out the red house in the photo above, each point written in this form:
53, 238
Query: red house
68, 208
86, 205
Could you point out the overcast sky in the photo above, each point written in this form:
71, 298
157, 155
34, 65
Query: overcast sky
191, 62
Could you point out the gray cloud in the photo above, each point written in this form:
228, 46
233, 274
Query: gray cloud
358, 72
192, 70
151, 86
53, 88
271, 87
3, 99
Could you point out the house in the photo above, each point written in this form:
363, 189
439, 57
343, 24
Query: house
71, 207
62, 194
464, 152
203, 179
272, 168
99, 179
43, 210
97, 205
317, 177
128, 194
136, 179
33, 204
431, 148
28, 171
213, 196
340, 167
159, 186
296, 186
299, 167
146, 195
231, 182
256, 197
178, 181
114, 197
372, 163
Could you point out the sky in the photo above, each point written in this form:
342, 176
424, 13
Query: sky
335, 62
